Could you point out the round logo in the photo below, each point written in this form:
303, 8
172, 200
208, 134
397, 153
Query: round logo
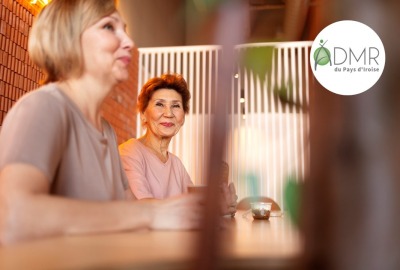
347, 57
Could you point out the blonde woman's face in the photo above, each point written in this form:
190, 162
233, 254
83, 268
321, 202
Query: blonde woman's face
107, 49
164, 114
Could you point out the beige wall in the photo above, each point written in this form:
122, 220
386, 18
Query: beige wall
158, 23
154, 23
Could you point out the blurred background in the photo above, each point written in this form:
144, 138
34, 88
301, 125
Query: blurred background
156, 23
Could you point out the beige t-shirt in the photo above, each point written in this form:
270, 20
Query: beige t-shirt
47, 130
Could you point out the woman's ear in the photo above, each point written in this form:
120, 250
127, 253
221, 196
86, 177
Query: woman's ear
143, 118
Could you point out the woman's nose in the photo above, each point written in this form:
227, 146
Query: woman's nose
127, 42
168, 111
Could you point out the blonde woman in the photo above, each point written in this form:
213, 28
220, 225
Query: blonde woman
60, 171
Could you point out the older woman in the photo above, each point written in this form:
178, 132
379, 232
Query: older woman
60, 171
154, 172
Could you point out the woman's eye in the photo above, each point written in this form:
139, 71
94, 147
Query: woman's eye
159, 104
176, 106
109, 26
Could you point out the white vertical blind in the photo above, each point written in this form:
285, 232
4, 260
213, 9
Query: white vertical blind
268, 132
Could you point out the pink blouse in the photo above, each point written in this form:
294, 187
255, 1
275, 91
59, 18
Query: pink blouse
148, 176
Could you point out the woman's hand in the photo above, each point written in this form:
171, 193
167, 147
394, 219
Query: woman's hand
229, 202
183, 212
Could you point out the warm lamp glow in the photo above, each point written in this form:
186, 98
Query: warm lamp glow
41, 3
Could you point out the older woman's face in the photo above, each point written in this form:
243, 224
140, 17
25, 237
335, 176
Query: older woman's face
164, 114
107, 49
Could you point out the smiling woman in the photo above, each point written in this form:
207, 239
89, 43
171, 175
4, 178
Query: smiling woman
154, 172
162, 104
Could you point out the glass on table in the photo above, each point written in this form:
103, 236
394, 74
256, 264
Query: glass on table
261, 210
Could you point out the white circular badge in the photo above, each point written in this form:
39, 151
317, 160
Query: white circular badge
347, 57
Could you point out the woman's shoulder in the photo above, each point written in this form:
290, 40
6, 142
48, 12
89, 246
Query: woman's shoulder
44, 102
175, 159
48, 96
177, 163
132, 151
50, 90
130, 145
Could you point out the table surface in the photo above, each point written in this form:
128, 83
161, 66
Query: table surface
246, 242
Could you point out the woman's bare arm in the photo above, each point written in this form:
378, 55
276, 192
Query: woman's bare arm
27, 211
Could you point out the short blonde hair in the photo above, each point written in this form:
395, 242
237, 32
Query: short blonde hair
55, 38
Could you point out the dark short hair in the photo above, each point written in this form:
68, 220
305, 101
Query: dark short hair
166, 81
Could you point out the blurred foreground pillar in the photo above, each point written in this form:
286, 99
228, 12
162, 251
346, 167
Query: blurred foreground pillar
230, 31
352, 200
